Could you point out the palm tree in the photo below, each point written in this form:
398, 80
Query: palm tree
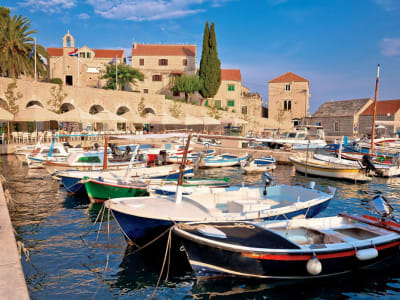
16, 44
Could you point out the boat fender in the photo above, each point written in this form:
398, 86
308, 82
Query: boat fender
312, 185
367, 254
314, 266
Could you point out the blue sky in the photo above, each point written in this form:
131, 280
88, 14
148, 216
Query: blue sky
334, 44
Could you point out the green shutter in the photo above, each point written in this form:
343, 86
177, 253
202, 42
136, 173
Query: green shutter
231, 87
231, 103
206, 103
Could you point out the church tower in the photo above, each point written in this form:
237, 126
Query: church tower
68, 43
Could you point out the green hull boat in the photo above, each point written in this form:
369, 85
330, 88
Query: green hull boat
100, 191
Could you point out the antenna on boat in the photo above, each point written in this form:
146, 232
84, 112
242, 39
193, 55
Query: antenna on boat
267, 181
374, 113
178, 194
383, 207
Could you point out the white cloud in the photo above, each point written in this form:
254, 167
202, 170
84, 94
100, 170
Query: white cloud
149, 10
83, 16
390, 46
48, 6
388, 5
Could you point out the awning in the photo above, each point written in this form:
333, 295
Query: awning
93, 70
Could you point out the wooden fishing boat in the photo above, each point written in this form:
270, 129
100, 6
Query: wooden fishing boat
101, 189
258, 165
290, 249
320, 168
72, 180
224, 160
143, 218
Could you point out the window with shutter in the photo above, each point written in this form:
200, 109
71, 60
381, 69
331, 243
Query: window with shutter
141, 62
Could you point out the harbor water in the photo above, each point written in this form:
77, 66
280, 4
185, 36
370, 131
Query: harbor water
70, 258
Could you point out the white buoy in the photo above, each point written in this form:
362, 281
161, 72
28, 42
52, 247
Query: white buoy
314, 266
367, 254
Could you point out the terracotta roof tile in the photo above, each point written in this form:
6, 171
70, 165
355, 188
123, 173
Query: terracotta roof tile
383, 107
165, 50
55, 51
288, 77
231, 74
103, 53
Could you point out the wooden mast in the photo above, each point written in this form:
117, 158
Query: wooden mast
374, 113
178, 196
105, 153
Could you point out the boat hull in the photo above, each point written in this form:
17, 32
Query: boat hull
99, 192
220, 163
211, 261
140, 230
352, 174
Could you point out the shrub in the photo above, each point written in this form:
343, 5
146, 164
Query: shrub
56, 80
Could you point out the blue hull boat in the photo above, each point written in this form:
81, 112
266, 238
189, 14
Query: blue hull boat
142, 219
72, 181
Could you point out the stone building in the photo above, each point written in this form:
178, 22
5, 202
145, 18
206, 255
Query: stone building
234, 96
340, 118
81, 66
387, 117
160, 63
288, 98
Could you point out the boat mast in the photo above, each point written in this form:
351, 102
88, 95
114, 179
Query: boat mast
178, 198
105, 153
374, 113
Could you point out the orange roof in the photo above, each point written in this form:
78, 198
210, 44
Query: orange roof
105, 53
231, 74
165, 50
55, 51
383, 107
288, 77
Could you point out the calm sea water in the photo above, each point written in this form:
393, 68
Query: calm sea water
68, 256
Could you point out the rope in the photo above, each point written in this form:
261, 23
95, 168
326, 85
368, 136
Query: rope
167, 251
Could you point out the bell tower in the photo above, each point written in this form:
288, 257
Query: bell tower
68, 43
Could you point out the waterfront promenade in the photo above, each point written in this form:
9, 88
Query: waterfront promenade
12, 280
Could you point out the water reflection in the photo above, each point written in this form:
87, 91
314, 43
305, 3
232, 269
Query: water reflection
68, 254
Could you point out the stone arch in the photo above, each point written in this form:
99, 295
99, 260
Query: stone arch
122, 110
96, 108
3, 103
34, 102
149, 110
65, 107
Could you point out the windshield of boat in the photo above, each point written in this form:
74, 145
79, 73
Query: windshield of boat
284, 135
292, 135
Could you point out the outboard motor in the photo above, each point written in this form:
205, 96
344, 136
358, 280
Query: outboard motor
382, 207
369, 165
267, 181
126, 155
67, 145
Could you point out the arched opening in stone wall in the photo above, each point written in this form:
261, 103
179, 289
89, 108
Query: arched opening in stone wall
149, 110
67, 107
122, 110
3, 104
34, 102
95, 109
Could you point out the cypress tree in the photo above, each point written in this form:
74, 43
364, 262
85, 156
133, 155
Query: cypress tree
204, 57
210, 65
214, 65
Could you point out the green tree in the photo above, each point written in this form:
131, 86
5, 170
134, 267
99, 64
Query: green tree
126, 74
141, 108
4, 15
57, 98
12, 97
187, 84
56, 80
16, 44
210, 66
213, 111
175, 110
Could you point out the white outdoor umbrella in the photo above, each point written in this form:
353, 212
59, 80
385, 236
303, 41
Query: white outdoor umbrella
233, 121
134, 118
35, 113
5, 115
190, 120
77, 115
206, 120
162, 119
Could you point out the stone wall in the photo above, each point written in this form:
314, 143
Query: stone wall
366, 124
298, 95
